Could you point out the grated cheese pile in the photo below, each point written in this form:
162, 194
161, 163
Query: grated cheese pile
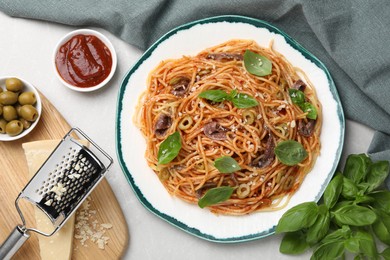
88, 228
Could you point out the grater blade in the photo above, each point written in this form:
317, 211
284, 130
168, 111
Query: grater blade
65, 179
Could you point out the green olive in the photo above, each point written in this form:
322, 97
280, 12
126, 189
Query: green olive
26, 124
18, 107
27, 98
14, 127
29, 113
1, 110
9, 113
8, 98
14, 84
3, 123
249, 117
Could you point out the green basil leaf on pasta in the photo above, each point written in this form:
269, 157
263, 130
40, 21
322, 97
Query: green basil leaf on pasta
215, 195
215, 95
257, 64
244, 101
297, 96
169, 148
290, 152
310, 109
301, 216
232, 94
226, 164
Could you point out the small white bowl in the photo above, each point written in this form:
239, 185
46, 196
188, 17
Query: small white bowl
38, 105
105, 40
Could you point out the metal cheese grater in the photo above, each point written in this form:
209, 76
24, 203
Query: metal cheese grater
59, 187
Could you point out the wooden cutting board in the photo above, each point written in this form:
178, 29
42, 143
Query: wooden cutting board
14, 176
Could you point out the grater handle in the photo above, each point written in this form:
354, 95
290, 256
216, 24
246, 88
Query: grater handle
13, 242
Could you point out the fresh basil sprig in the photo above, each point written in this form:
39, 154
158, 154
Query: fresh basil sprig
257, 64
290, 152
239, 100
226, 164
169, 148
298, 98
215, 195
354, 211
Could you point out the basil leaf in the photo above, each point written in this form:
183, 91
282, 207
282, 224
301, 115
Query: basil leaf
215, 95
301, 216
356, 167
338, 235
386, 253
310, 109
352, 245
257, 64
297, 96
381, 226
366, 243
293, 243
226, 164
363, 199
331, 250
169, 148
333, 190
355, 215
232, 94
244, 101
377, 174
381, 200
290, 152
320, 227
350, 189
215, 195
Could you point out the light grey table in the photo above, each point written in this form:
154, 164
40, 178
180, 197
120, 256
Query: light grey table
26, 48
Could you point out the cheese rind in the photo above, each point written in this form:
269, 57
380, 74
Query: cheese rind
58, 246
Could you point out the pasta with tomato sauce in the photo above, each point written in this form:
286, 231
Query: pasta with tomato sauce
235, 128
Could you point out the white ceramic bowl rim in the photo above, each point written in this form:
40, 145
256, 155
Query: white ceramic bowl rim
27, 87
105, 40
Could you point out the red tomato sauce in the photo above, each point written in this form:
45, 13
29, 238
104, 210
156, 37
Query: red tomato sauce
84, 61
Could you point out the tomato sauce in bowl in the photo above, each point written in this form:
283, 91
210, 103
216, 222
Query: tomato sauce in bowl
83, 61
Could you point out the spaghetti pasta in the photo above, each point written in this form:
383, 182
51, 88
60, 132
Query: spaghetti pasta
223, 112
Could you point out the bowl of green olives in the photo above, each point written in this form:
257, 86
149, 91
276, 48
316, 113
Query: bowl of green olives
20, 108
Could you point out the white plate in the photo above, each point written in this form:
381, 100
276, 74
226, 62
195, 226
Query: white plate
190, 39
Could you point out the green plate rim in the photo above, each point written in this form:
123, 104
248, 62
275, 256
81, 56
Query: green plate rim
216, 19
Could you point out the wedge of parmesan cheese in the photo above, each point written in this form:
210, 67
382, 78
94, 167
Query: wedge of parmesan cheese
58, 246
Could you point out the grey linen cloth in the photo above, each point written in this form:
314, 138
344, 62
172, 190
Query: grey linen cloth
351, 37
